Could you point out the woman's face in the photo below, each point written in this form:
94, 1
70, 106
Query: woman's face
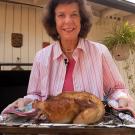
68, 19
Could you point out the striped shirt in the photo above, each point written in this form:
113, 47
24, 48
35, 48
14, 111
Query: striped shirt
94, 72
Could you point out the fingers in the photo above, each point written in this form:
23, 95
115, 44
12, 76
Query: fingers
22, 102
19, 103
122, 102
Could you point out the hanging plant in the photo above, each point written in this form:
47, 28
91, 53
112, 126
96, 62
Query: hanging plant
121, 40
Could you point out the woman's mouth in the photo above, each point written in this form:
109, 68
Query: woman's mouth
69, 30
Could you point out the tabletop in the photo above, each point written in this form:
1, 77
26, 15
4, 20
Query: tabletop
67, 129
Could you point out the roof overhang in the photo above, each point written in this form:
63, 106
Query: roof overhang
118, 4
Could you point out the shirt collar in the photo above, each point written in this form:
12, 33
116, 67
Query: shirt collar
58, 52
81, 45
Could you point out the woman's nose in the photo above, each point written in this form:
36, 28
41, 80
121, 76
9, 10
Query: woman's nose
68, 19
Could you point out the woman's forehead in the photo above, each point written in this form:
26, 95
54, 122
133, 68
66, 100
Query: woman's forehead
67, 7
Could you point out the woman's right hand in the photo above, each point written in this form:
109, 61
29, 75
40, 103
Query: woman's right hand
19, 103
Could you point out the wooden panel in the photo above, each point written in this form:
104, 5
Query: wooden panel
20, 19
24, 49
9, 28
16, 28
32, 34
45, 36
38, 29
2, 31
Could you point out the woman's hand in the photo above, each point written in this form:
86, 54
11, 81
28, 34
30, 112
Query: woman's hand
123, 102
23, 102
19, 103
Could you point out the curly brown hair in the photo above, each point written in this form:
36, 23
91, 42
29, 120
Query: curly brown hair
49, 17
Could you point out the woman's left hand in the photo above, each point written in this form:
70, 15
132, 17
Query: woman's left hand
123, 102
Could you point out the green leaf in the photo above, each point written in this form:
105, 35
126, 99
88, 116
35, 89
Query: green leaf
123, 34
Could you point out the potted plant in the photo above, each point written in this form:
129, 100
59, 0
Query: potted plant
121, 40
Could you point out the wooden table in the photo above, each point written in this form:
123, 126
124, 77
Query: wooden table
68, 131
15, 64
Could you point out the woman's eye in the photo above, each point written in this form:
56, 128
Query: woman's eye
61, 15
75, 15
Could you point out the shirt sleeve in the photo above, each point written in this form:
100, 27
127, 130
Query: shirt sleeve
34, 91
114, 85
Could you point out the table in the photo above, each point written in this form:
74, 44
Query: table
67, 131
15, 64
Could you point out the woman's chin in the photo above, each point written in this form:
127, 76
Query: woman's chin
69, 38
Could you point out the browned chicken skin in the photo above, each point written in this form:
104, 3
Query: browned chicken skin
72, 107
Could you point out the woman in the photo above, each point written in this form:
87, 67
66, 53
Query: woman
73, 63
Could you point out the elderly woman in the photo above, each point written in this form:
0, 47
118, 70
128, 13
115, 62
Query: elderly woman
73, 63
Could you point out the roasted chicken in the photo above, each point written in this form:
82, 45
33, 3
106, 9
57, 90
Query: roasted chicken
71, 107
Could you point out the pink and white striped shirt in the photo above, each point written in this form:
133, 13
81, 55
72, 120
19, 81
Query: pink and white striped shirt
94, 71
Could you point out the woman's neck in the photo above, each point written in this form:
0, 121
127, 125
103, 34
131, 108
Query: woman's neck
68, 46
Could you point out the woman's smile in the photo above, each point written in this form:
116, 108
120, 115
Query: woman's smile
68, 30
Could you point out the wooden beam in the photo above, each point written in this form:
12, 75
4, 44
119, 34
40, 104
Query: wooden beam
24, 2
39, 2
